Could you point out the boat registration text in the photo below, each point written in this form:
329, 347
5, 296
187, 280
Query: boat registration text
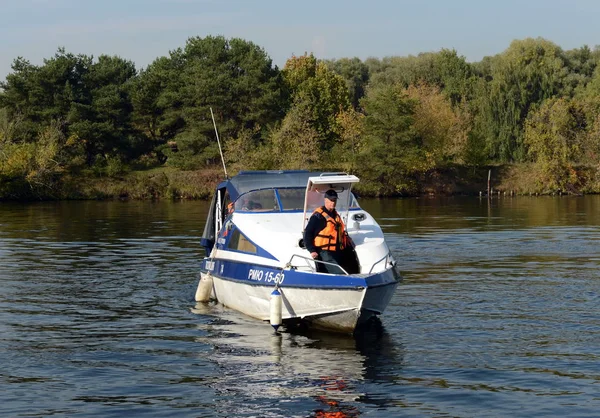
260, 275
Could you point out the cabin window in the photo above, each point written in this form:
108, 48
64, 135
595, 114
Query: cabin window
315, 199
292, 199
257, 201
239, 242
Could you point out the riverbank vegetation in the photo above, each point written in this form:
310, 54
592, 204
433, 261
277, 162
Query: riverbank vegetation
76, 127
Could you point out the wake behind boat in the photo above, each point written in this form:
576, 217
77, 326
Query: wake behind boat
257, 262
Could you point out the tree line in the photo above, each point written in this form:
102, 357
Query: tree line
388, 120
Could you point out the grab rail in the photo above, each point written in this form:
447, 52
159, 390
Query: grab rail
385, 257
333, 173
307, 259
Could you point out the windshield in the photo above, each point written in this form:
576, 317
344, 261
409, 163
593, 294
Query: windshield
346, 200
257, 201
289, 199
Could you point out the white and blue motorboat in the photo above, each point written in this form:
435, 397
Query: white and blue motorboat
256, 262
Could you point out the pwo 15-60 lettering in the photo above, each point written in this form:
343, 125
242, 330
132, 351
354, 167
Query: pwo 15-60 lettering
265, 276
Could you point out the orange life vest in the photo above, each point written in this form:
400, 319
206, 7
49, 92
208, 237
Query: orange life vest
333, 237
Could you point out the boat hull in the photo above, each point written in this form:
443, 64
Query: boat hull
333, 302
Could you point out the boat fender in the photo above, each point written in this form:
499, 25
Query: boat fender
275, 302
204, 290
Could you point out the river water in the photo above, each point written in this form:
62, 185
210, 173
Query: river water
498, 315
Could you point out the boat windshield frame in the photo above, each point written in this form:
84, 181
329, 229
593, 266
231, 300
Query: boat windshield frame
288, 200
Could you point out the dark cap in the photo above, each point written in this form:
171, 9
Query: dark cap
331, 194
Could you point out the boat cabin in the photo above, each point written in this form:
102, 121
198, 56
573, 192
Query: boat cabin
276, 192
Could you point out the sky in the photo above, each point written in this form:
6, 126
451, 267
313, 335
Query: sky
143, 30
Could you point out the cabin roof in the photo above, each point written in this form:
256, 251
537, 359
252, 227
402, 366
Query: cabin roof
247, 181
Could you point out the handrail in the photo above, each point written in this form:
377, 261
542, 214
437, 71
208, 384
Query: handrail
385, 257
333, 173
289, 263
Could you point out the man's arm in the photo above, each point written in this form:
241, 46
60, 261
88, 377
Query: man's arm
312, 228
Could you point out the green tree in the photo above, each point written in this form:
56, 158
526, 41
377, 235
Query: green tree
403, 71
156, 99
443, 129
44, 94
589, 95
9, 125
351, 142
101, 120
33, 169
581, 64
356, 74
521, 78
318, 90
234, 77
242, 153
295, 145
444, 69
86, 100
393, 153
554, 137
456, 77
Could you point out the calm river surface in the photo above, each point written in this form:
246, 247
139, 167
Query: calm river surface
498, 315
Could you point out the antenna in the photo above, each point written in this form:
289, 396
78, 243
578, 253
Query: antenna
219, 142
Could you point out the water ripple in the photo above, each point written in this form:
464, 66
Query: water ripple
497, 316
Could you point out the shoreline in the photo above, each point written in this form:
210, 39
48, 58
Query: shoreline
171, 184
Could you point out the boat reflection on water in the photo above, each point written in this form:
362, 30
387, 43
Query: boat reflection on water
295, 365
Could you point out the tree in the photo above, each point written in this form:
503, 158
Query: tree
33, 169
295, 145
86, 100
393, 153
316, 89
521, 78
443, 129
46, 93
456, 76
156, 99
581, 64
356, 74
234, 77
444, 69
101, 119
554, 136
351, 142
9, 126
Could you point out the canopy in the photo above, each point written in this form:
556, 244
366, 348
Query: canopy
247, 181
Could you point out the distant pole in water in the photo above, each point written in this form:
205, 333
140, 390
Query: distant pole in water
489, 177
219, 142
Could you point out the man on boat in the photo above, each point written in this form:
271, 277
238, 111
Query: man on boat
325, 236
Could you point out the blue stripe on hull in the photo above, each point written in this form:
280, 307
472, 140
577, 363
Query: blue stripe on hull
259, 275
